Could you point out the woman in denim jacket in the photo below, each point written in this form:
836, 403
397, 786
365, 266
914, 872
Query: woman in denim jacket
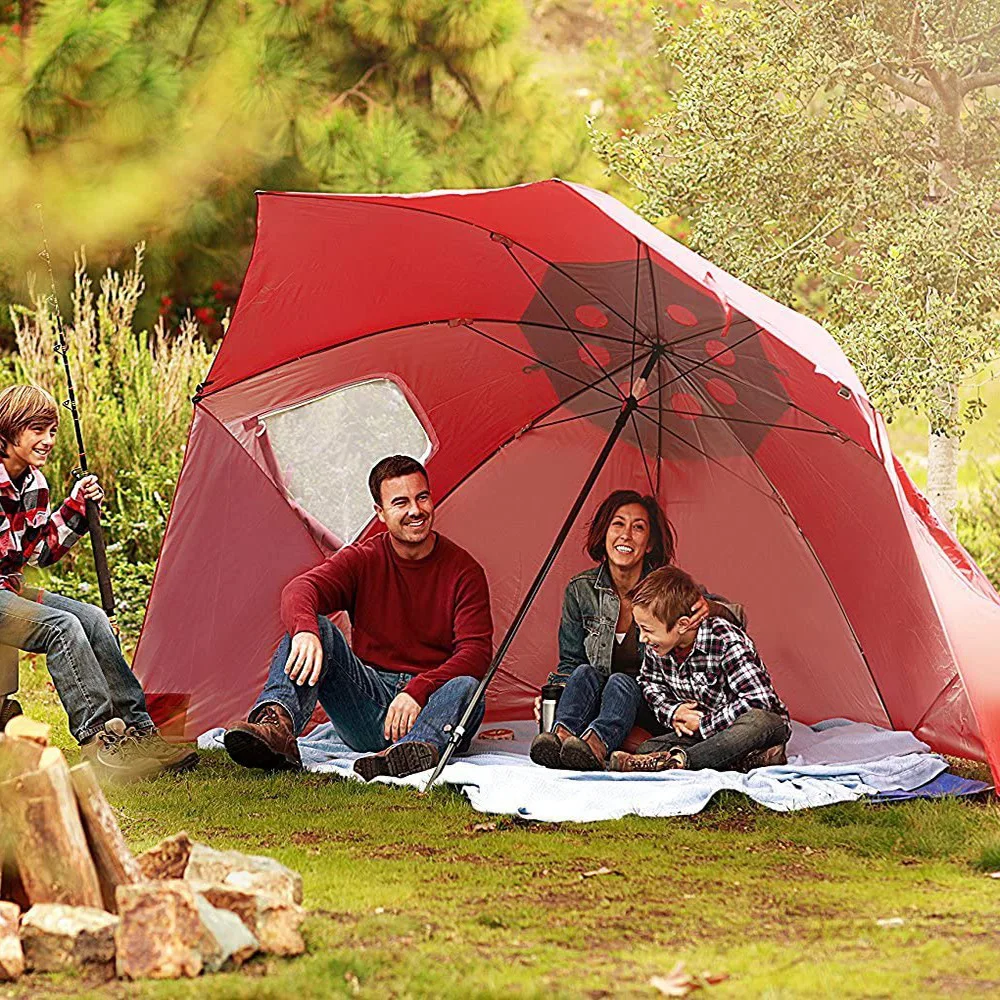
599, 648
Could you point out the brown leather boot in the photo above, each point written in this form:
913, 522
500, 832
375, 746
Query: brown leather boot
546, 747
265, 740
583, 754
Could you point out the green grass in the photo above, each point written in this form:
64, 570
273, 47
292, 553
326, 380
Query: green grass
410, 899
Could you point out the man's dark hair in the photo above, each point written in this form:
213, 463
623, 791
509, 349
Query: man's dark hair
392, 468
661, 534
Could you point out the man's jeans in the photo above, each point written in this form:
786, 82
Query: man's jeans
356, 698
91, 677
606, 705
753, 730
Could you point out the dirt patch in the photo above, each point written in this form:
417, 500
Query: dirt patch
963, 986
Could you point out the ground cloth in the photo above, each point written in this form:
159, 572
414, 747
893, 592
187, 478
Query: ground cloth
833, 761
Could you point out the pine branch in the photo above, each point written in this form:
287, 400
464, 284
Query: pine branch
463, 81
202, 18
355, 91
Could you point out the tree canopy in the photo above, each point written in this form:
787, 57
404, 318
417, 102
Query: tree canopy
844, 156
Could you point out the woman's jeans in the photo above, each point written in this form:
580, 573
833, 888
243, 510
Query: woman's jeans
605, 705
356, 697
725, 751
91, 677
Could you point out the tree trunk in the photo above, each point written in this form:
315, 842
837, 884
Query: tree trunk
942, 464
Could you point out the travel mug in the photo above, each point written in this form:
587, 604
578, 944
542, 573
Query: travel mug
550, 698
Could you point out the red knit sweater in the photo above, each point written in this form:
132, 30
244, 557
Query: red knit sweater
429, 617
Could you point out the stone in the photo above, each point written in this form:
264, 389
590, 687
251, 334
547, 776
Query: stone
206, 864
169, 859
274, 921
56, 937
226, 941
11, 952
160, 931
275, 884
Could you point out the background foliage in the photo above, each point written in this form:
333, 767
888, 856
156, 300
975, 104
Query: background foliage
134, 392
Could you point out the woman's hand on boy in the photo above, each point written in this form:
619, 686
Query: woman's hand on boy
91, 489
687, 719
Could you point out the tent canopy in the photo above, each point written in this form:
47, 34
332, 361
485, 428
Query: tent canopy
495, 334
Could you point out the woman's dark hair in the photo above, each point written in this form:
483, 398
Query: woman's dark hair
392, 468
661, 534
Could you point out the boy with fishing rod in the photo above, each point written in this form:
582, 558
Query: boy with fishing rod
102, 697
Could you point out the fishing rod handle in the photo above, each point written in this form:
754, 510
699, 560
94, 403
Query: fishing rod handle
100, 559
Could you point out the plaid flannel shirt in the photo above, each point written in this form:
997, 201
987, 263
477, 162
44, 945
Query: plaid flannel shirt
722, 674
29, 531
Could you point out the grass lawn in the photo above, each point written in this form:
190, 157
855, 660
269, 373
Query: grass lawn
415, 897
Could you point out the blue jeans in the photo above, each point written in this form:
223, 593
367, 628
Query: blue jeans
90, 675
356, 697
755, 729
606, 705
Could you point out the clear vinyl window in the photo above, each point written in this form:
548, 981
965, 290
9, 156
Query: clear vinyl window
323, 450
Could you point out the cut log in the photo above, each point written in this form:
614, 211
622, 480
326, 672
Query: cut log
160, 932
18, 756
46, 836
11, 953
114, 861
23, 728
58, 938
169, 859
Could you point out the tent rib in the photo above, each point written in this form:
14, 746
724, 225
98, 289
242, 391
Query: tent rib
805, 541
534, 359
524, 430
548, 302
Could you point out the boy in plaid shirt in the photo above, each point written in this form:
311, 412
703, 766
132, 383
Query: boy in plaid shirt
105, 704
705, 684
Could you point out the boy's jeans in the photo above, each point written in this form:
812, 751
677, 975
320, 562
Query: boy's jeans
90, 675
753, 730
356, 697
607, 705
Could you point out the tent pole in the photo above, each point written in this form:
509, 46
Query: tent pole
628, 407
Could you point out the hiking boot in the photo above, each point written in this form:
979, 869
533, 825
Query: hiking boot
174, 756
769, 757
266, 740
114, 730
123, 755
583, 754
661, 760
545, 747
399, 761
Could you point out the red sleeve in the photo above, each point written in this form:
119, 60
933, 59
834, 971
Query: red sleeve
473, 647
323, 590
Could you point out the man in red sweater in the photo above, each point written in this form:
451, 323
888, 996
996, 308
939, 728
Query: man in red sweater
422, 639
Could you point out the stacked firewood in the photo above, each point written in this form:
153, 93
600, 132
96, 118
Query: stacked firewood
72, 896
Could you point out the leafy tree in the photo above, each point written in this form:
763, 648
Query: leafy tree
131, 119
843, 156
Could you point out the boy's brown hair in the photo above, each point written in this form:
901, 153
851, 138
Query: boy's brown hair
21, 406
668, 593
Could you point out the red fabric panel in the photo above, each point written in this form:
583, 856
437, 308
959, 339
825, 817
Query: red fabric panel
232, 544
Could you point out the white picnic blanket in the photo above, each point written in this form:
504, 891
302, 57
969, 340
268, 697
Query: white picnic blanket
833, 761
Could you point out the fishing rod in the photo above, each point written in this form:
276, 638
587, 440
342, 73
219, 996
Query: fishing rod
93, 511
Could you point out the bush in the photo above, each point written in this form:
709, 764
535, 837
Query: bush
134, 393
979, 524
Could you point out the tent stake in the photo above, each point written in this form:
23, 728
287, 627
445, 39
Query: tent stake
628, 407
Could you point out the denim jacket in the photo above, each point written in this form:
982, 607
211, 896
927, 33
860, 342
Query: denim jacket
590, 616
587, 628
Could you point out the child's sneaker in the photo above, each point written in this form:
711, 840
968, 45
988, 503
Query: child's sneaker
174, 756
661, 760
133, 756
771, 757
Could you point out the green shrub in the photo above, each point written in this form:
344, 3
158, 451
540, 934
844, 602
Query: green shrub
134, 392
979, 524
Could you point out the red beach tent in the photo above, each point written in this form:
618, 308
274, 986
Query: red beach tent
497, 334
